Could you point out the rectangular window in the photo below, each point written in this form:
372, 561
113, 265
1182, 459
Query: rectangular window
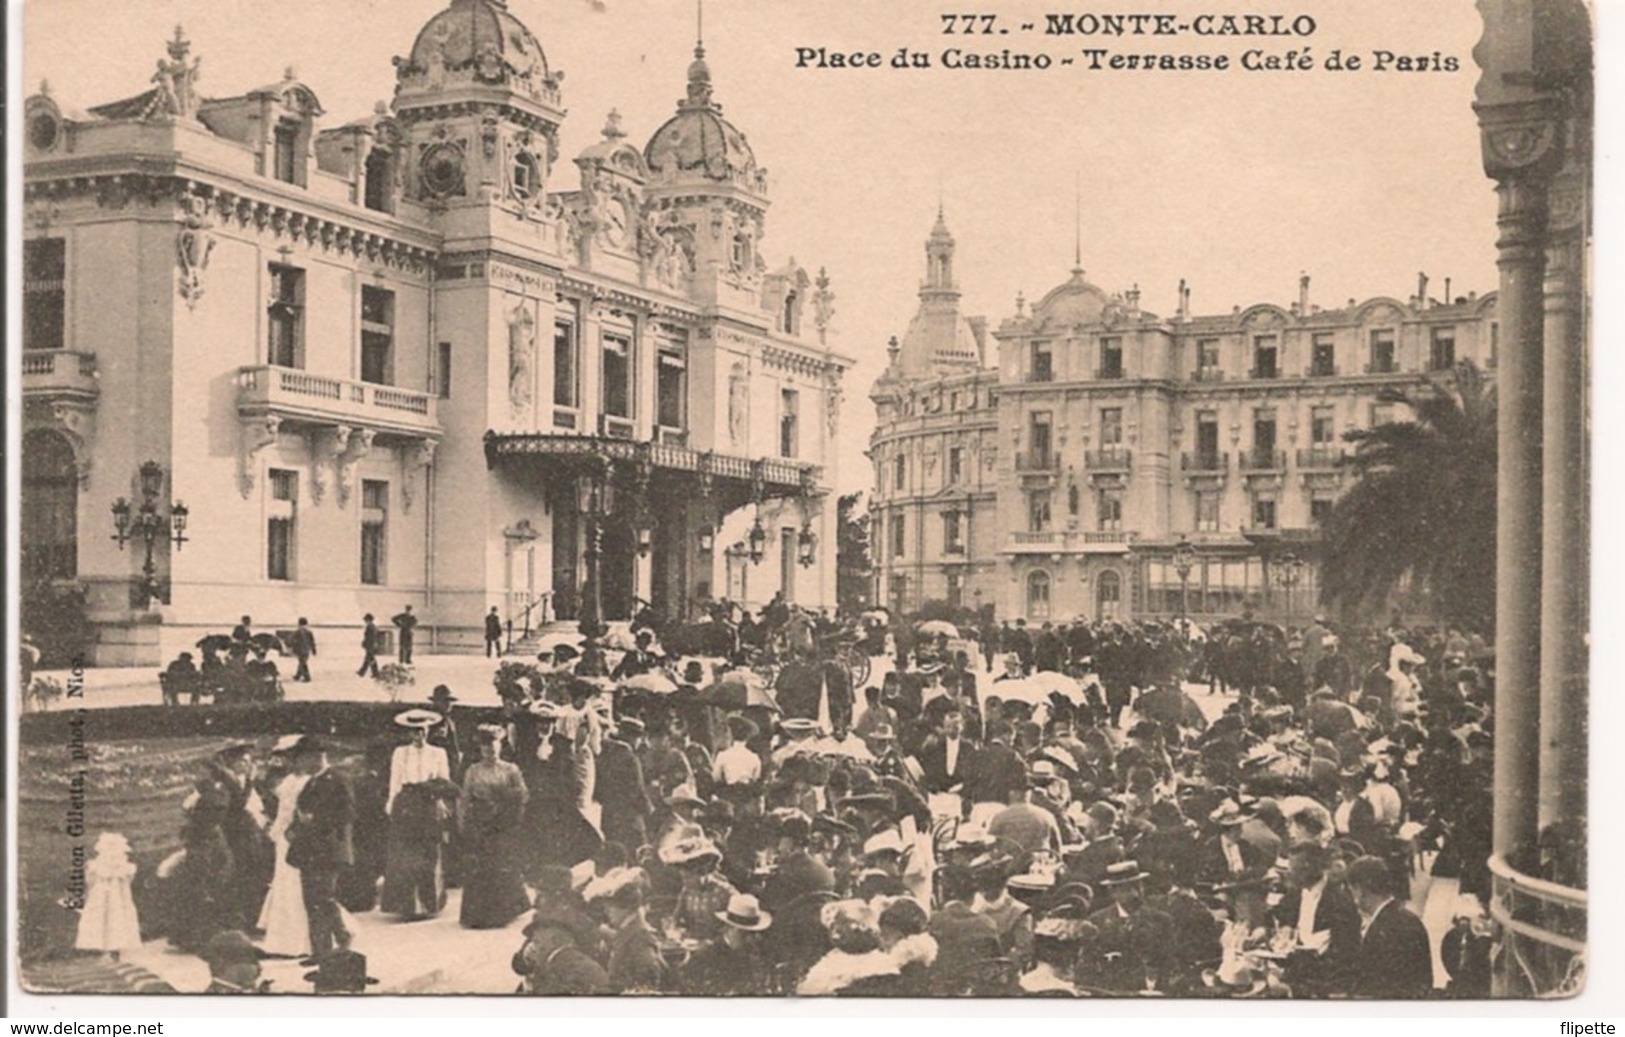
956, 465
1039, 456
1043, 363
565, 390
45, 273
374, 530
1320, 509
617, 376
1038, 511
379, 193
377, 335
280, 531
1207, 440
789, 422
1263, 512
1207, 360
1265, 353
1264, 438
956, 590
1442, 349
1111, 427
1322, 426
899, 473
671, 388
442, 376
1323, 356
899, 534
286, 144
1382, 352
952, 542
1111, 357
285, 317
1109, 510
1207, 511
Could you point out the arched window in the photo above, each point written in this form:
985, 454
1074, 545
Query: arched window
50, 509
792, 314
1109, 597
1038, 585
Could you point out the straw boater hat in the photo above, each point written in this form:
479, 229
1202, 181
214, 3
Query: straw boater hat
424, 718
285, 745
686, 845
1123, 873
745, 912
799, 726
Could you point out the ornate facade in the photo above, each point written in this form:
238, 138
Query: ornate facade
399, 361
1055, 466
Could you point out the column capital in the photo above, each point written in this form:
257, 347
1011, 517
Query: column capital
1522, 140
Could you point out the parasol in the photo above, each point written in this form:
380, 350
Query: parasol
1058, 684
830, 747
266, 643
739, 689
654, 682
1171, 707
214, 643
549, 642
938, 627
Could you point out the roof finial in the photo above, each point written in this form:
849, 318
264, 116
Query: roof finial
1077, 225
699, 24
699, 74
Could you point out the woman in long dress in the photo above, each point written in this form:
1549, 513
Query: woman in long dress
283, 919
419, 776
493, 803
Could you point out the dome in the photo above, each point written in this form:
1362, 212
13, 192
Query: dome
478, 40
1075, 302
699, 142
941, 338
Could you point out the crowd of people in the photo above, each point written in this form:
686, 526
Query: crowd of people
669, 825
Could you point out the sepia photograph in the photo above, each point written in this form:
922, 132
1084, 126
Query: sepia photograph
598, 498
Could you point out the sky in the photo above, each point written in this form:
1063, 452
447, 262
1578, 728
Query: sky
1235, 181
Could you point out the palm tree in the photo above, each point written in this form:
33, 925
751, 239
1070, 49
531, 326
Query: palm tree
1422, 508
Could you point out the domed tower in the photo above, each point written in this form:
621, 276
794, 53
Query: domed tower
939, 340
704, 182
482, 108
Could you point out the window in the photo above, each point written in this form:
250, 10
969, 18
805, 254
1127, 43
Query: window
1111, 427
1109, 509
1109, 596
899, 534
1264, 438
1263, 512
792, 314
899, 475
280, 538
1038, 429
526, 176
1265, 353
1038, 511
739, 254
49, 523
1207, 360
1111, 357
379, 193
952, 537
956, 464
671, 393
1038, 595
1442, 349
1322, 426
1207, 511
1043, 363
442, 376
789, 418
377, 335
1323, 356
285, 166
1207, 440
565, 389
956, 590
1320, 509
45, 273
899, 593
1382, 352
617, 376
953, 400
286, 317
374, 530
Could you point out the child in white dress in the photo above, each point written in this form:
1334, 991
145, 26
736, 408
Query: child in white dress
108, 922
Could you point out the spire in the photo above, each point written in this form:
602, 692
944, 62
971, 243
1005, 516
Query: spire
699, 73
1077, 225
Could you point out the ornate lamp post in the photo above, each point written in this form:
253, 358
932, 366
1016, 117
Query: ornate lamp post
146, 523
1288, 572
595, 500
758, 541
806, 547
1184, 562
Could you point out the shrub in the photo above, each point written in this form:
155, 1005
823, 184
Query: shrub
394, 677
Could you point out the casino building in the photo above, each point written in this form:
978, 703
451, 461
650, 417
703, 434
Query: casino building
1089, 458
398, 359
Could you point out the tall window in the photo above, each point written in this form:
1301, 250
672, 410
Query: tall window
1382, 351
377, 335
1264, 438
1320, 509
899, 534
285, 316
1207, 360
49, 527
1111, 357
1038, 511
1263, 512
374, 530
380, 185
442, 376
1108, 596
1442, 349
789, 422
956, 464
1323, 356
1322, 426
953, 542
1207, 440
671, 388
1109, 509
565, 388
792, 314
1038, 438
899, 475
285, 166
956, 590
45, 272
281, 524
617, 376
1207, 511
1111, 428
1266, 350
1043, 362
1038, 586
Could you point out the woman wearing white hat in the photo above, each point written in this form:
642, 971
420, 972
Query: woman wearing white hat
419, 778
282, 918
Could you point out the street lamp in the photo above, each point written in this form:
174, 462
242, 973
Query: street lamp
595, 500
1288, 572
144, 522
806, 547
758, 541
1184, 562
708, 540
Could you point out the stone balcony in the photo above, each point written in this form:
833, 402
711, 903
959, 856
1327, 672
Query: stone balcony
1070, 541
1320, 458
60, 374
302, 397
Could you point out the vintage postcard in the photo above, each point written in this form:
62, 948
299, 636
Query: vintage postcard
822, 499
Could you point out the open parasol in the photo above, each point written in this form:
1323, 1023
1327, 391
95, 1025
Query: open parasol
214, 643
1171, 707
739, 689
654, 682
266, 643
938, 627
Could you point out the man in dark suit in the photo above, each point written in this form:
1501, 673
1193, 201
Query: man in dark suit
1047, 650
999, 771
406, 623
1394, 960
1326, 923
1020, 642
369, 648
320, 844
493, 633
304, 647
620, 789
946, 757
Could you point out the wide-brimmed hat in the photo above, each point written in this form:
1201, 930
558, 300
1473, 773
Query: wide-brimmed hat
284, 745
442, 693
630, 726
684, 794
745, 912
1227, 814
799, 725
340, 972
882, 733
543, 710
424, 718
885, 841
1123, 873
687, 845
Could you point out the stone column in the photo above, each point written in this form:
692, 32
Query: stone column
1518, 143
1565, 489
